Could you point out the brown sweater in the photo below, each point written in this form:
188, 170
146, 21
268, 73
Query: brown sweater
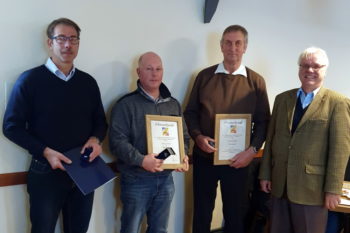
227, 94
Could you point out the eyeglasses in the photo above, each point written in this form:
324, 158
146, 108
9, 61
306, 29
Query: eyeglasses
63, 39
313, 67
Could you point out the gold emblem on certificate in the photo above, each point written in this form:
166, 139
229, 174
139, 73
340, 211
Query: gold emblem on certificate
166, 132
232, 136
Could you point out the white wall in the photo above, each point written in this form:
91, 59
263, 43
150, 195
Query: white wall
115, 33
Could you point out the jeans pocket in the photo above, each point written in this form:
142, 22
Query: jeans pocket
39, 167
128, 179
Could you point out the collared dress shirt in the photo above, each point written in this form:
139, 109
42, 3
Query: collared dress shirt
306, 99
53, 68
240, 71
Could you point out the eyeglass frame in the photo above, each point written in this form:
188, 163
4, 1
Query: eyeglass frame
314, 68
60, 39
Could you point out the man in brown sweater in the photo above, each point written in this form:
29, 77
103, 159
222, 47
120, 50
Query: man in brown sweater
226, 88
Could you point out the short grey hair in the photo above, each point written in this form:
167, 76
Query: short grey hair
312, 51
235, 28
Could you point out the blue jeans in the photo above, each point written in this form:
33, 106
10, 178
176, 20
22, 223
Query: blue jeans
52, 191
151, 195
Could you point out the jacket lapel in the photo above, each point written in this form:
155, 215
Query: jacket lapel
290, 104
313, 107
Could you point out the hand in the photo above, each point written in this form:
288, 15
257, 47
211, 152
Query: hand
185, 166
93, 143
151, 164
265, 186
331, 201
55, 158
243, 158
202, 143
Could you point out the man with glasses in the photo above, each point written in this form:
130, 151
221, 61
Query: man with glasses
306, 150
54, 108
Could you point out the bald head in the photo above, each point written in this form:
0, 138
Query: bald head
148, 55
150, 72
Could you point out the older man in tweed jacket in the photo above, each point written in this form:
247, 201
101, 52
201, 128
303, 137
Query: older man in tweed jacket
306, 152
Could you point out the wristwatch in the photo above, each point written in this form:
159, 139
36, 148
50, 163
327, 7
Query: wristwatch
255, 149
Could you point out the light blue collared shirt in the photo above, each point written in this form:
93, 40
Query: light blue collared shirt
306, 99
53, 68
241, 70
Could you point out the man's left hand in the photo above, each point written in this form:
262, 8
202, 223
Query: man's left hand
243, 158
331, 201
185, 166
93, 143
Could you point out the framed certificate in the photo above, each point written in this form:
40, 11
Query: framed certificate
232, 135
163, 132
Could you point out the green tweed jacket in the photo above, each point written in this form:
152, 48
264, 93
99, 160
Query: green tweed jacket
312, 161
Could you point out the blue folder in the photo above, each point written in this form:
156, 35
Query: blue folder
88, 176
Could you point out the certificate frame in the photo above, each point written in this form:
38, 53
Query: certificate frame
220, 118
173, 121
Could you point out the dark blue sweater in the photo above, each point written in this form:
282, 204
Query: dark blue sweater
44, 110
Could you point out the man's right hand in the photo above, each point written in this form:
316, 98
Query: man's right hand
151, 164
203, 143
265, 186
55, 158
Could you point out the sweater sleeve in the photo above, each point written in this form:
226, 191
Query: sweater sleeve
261, 115
100, 124
192, 110
17, 115
120, 136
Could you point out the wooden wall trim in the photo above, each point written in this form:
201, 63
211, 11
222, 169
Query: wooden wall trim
15, 178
